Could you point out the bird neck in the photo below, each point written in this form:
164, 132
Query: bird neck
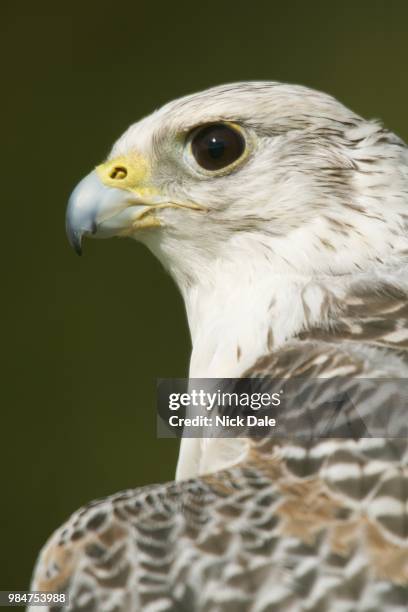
244, 314
234, 320
247, 296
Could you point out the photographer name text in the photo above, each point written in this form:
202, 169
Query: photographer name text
221, 421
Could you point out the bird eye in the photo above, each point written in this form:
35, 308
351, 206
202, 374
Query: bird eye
217, 146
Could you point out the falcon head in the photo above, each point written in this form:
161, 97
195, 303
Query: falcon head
275, 173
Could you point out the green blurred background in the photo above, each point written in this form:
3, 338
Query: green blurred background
84, 339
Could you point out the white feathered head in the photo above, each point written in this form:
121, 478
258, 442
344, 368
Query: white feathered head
248, 172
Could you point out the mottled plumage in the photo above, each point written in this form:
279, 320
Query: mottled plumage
292, 264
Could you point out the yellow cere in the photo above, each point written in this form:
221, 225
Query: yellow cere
129, 172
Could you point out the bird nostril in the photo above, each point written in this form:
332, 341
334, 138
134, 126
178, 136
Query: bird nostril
118, 173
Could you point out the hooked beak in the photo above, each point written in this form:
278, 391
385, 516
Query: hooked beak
116, 199
102, 211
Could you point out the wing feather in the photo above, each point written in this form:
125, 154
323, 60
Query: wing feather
298, 525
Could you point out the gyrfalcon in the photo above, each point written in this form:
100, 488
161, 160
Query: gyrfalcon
282, 217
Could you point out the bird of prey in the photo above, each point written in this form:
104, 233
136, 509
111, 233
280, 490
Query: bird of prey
282, 217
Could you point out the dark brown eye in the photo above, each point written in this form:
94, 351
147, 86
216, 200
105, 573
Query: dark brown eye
217, 146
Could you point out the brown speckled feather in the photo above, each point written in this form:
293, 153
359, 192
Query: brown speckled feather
296, 526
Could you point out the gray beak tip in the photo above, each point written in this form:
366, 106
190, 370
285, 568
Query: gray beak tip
74, 235
89, 200
78, 247
81, 211
75, 240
